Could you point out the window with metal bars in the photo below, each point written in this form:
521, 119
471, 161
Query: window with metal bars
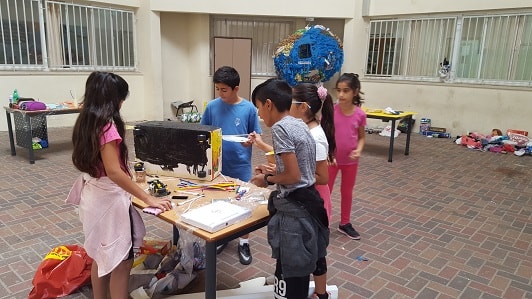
495, 49
65, 36
491, 49
409, 47
264, 33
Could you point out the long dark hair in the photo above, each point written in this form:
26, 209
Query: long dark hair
308, 92
104, 93
353, 82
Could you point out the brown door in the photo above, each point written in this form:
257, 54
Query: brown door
235, 52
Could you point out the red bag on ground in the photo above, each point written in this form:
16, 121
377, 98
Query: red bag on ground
63, 270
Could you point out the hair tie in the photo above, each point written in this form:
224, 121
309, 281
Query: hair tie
322, 93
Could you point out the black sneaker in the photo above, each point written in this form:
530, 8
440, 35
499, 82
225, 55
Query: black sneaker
244, 254
220, 248
349, 231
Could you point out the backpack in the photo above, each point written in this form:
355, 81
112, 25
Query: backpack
31, 105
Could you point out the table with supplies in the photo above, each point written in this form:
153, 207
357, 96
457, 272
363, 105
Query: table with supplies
383, 115
31, 126
203, 197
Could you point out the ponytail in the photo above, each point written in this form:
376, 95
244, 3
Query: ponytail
327, 123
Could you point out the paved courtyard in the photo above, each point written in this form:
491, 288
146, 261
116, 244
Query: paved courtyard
443, 222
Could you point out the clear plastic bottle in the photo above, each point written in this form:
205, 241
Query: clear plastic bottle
15, 97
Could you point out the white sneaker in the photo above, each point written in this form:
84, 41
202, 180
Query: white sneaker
520, 152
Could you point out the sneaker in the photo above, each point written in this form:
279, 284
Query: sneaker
349, 231
315, 295
220, 248
244, 254
270, 280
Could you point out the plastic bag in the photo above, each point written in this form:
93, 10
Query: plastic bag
388, 131
63, 270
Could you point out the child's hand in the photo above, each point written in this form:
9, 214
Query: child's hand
266, 168
162, 203
258, 180
247, 143
255, 137
332, 162
355, 154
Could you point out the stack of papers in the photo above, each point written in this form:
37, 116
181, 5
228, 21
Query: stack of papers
215, 216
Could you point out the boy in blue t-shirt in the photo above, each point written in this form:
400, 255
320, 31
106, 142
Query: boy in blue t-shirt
298, 228
235, 116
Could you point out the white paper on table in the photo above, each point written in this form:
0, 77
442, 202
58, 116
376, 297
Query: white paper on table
235, 138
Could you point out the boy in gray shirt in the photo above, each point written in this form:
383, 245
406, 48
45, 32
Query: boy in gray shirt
297, 232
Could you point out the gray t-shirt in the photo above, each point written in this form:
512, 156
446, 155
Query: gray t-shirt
291, 135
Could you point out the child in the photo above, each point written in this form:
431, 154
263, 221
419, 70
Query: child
297, 231
104, 190
349, 124
236, 116
307, 101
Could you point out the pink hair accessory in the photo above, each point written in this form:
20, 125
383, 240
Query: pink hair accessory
322, 92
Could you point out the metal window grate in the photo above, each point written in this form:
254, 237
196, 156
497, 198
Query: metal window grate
496, 48
20, 38
409, 47
86, 37
265, 34
490, 49
61, 36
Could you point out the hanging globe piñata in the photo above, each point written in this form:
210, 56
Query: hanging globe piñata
310, 55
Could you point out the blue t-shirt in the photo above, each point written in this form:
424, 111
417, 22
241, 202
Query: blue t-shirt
233, 119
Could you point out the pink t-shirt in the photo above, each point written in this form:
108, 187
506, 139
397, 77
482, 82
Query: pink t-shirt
110, 133
346, 133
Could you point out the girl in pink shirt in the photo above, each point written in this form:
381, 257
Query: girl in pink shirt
349, 132
104, 189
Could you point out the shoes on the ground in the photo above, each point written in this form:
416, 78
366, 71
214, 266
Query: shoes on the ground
315, 295
220, 248
270, 280
349, 231
244, 254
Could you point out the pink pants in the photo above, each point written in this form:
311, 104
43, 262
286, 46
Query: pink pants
325, 194
349, 176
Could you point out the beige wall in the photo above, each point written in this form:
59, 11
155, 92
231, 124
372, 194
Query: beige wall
459, 109
313, 8
185, 56
174, 61
376, 8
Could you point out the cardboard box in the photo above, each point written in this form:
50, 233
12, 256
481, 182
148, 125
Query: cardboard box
424, 125
517, 132
185, 150
437, 129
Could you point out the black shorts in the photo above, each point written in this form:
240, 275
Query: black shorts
290, 288
321, 267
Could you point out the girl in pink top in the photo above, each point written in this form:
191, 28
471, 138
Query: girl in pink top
106, 186
349, 126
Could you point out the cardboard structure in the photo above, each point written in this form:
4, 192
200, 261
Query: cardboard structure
185, 150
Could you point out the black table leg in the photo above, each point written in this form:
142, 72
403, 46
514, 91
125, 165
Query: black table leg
10, 131
210, 270
29, 141
408, 132
392, 139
